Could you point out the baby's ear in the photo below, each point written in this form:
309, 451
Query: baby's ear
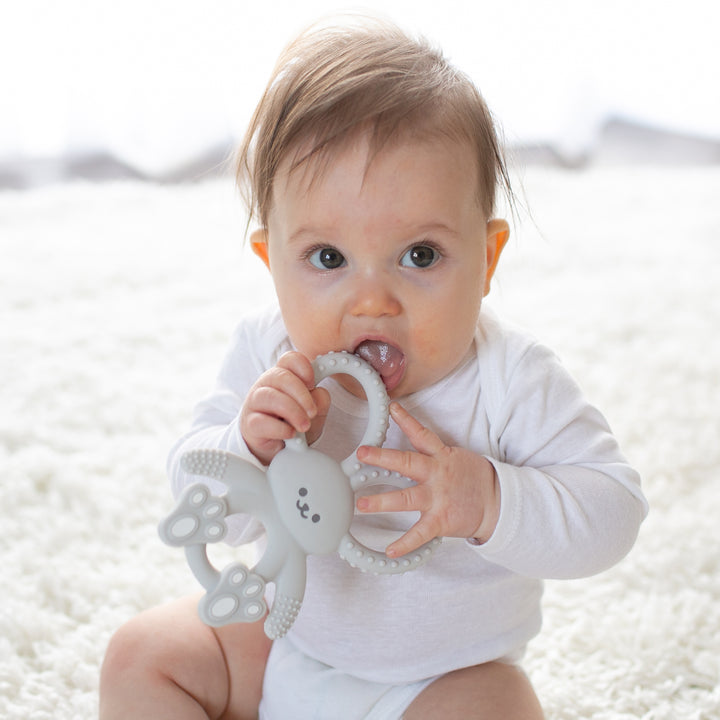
498, 232
259, 244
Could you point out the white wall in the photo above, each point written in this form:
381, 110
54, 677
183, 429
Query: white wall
156, 83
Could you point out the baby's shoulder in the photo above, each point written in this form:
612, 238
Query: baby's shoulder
261, 335
500, 343
511, 360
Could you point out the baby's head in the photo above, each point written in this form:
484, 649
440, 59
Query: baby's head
371, 166
334, 82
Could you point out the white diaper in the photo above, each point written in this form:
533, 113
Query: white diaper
301, 688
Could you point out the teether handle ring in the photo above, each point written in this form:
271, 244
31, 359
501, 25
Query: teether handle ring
344, 363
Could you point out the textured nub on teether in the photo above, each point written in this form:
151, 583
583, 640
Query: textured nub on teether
208, 463
284, 611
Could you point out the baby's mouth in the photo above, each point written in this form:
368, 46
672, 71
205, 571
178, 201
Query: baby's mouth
387, 360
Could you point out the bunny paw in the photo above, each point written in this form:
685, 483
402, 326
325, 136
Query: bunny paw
198, 518
238, 597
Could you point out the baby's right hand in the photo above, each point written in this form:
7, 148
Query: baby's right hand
282, 402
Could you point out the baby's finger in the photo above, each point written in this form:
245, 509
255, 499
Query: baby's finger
403, 500
269, 429
423, 531
423, 439
299, 366
293, 375
410, 464
280, 404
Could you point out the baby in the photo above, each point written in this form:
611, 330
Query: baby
372, 167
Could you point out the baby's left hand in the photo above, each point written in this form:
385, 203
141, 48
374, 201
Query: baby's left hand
457, 491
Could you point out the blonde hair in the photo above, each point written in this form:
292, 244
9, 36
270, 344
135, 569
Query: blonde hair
333, 82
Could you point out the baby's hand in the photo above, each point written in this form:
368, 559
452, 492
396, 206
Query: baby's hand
456, 493
282, 402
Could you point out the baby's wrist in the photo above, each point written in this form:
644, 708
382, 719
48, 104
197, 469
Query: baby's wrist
490, 507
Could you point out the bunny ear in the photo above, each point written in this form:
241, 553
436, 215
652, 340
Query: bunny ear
230, 469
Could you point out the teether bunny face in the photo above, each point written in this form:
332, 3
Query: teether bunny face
313, 497
305, 501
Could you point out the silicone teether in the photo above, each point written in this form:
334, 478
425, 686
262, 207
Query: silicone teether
305, 500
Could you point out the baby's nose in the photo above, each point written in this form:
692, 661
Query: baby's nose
375, 298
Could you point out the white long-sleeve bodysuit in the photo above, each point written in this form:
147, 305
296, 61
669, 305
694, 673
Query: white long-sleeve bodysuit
571, 506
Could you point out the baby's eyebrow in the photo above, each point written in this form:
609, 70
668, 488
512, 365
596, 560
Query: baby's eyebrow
309, 234
404, 231
437, 227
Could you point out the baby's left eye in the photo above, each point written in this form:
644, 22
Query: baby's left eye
420, 256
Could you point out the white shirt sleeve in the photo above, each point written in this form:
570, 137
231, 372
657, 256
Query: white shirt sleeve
571, 505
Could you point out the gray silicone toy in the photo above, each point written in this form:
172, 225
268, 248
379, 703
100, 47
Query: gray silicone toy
305, 500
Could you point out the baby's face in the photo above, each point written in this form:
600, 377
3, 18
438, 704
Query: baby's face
391, 263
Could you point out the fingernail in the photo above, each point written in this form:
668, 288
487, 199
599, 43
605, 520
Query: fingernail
363, 504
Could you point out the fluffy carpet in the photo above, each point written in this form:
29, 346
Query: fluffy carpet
116, 303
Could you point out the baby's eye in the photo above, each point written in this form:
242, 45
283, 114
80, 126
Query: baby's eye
420, 256
326, 258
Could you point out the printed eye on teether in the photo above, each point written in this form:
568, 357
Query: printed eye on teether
305, 501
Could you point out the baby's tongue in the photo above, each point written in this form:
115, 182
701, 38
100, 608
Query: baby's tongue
385, 358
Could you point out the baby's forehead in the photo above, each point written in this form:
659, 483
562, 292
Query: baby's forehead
308, 161
403, 186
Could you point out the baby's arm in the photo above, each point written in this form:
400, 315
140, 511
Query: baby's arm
563, 501
571, 505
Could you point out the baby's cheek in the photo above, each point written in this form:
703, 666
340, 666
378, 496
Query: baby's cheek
443, 344
432, 348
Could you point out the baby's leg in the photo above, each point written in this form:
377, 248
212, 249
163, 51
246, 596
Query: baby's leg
492, 691
166, 663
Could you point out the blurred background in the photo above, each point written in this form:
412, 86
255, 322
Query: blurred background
162, 89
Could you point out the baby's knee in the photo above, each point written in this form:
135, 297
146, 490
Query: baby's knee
133, 645
125, 676
163, 657
156, 640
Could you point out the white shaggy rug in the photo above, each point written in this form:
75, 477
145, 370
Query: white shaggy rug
116, 302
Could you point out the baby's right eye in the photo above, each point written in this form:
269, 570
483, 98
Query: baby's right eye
326, 258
